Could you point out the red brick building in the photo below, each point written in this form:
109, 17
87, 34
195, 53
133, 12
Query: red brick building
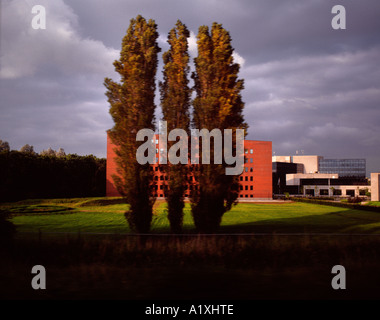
256, 180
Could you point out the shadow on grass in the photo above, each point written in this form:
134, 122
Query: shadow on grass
24, 210
336, 222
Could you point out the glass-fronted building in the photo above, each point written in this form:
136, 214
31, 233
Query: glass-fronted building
317, 176
343, 167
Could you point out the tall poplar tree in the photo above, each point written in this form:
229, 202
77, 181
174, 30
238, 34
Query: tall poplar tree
132, 109
218, 104
175, 102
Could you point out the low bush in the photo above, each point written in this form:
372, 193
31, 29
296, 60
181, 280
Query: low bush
7, 228
355, 200
342, 204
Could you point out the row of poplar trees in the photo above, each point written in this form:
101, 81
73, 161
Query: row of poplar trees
217, 104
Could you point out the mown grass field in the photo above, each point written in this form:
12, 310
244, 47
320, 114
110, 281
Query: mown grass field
106, 216
263, 251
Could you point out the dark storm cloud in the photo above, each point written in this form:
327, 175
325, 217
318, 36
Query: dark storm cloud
307, 87
51, 81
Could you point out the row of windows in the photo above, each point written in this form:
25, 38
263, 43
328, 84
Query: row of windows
245, 151
341, 161
246, 169
165, 187
336, 169
344, 172
165, 177
195, 187
161, 169
343, 165
161, 195
336, 192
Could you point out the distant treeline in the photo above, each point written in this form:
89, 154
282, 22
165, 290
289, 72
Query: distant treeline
26, 175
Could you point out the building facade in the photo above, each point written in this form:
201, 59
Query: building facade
315, 176
375, 186
343, 167
255, 181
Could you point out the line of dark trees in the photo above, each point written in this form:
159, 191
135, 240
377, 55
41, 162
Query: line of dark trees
28, 175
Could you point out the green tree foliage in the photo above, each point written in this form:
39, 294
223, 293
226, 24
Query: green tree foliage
27, 149
60, 153
4, 146
218, 104
48, 152
175, 102
132, 109
29, 175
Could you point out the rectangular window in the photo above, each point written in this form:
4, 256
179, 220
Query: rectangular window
246, 187
251, 151
251, 160
246, 178
251, 187
251, 178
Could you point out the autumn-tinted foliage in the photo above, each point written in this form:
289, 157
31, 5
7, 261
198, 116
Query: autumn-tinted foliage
175, 102
132, 109
218, 104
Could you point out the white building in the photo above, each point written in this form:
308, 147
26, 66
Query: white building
310, 181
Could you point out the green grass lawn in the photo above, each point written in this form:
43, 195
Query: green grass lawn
270, 263
374, 203
101, 215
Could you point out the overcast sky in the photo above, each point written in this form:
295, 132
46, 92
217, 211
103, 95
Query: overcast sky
308, 88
